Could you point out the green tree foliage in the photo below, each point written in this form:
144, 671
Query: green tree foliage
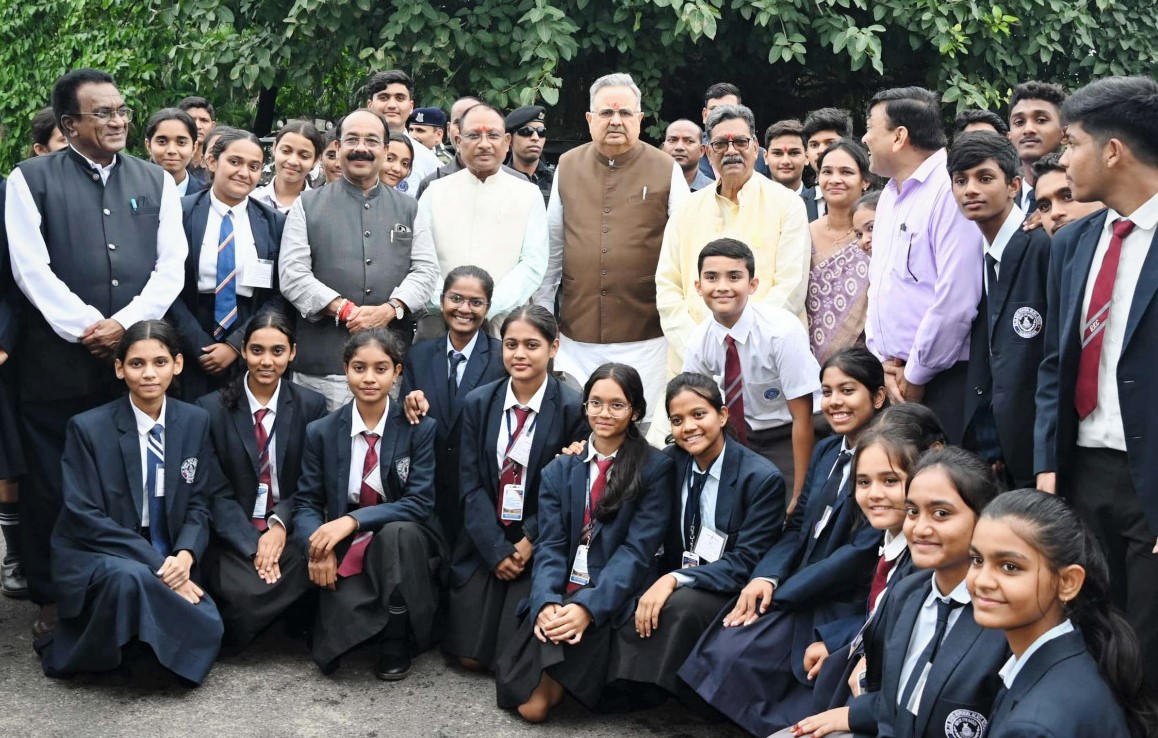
309, 57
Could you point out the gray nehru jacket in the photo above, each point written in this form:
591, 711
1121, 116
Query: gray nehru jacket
341, 242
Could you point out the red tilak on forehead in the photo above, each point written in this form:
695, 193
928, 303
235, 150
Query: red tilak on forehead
483, 129
615, 105
730, 136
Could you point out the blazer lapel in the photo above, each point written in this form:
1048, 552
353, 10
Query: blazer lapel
386, 445
283, 419
543, 426
578, 489
244, 425
479, 359
953, 650
727, 492
1144, 292
1083, 260
494, 416
263, 241
131, 454
1011, 261
342, 439
898, 642
198, 220
174, 449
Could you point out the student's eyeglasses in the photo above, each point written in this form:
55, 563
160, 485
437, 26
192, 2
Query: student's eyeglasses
104, 115
721, 145
476, 303
351, 142
528, 131
616, 409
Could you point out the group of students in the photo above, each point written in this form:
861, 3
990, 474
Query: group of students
534, 532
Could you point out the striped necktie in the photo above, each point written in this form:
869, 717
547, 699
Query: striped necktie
1094, 327
225, 295
734, 390
264, 475
367, 497
154, 478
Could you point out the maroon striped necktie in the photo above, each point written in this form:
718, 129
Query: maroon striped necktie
264, 476
1094, 327
734, 390
367, 497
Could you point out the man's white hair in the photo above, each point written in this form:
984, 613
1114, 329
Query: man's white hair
616, 79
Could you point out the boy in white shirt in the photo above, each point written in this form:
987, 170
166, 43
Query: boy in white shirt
760, 357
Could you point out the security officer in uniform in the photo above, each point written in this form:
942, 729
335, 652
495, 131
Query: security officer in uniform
528, 136
428, 127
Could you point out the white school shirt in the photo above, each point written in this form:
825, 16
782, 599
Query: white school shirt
144, 425
268, 424
924, 630
776, 361
244, 247
358, 448
268, 195
708, 497
1010, 227
64, 312
1014, 665
466, 352
510, 422
1103, 427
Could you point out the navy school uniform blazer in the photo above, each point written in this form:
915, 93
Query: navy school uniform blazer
828, 577
750, 505
192, 311
405, 461
1006, 346
622, 550
234, 440
962, 678
1058, 693
1056, 427
561, 421
808, 194
103, 493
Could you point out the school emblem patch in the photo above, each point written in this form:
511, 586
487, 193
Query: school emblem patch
965, 724
771, 393
189, 469
1027, 322
402, 466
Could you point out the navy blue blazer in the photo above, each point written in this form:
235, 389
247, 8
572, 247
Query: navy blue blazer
234, 439
963, 677
561, 421
808, 194
192, 311
622, 551
1005, 350
406, 464
1056, 428
103, 493
750, 505
1057, 694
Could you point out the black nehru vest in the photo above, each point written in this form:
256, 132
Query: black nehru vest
102, 243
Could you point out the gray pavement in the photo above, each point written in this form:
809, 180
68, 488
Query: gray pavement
274, 690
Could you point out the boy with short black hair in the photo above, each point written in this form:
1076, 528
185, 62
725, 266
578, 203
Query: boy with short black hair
1007, 339
1035, 129
1056, 205
761, 358
822, 128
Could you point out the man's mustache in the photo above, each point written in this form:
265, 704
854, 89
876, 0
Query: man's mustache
732, 159
358, 156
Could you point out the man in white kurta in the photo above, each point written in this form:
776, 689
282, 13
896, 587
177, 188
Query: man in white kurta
485, 217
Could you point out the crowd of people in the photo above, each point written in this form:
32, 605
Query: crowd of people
649, 424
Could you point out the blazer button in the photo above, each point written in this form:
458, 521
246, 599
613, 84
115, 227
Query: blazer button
116, 283
367, 261
366, 234
980, 391
112, 247
367, 290
366, 206
108, 212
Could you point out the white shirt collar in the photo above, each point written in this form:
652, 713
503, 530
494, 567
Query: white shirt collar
535, 402
221, 208
1144, 218
740, 331
799, 188
255, 404
467, 350
593, 455
1011, 226
1013, 667
960, 594
893, 546
357, 425
144, 422
104, 170
716, 470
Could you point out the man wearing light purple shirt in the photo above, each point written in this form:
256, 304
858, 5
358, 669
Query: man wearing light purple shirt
925, 274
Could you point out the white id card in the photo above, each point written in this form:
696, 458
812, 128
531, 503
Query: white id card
520, 453
262, 500
689, 560
820, 524
579, 573
513, 502
710, 544
258, 274
160, 481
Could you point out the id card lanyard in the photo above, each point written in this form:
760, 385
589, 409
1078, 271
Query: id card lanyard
514, 438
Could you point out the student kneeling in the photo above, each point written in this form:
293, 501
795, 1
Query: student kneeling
364, 512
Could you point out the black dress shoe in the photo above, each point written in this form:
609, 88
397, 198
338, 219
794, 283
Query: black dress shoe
393, 662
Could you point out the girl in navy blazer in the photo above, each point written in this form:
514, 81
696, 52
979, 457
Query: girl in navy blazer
137, 474
1076, 670
258, 425
603, 516
170, 137
441, 372
511, 429
364, 513
728, 505
938, 672
210, 332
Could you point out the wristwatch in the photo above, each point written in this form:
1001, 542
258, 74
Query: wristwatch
399, 308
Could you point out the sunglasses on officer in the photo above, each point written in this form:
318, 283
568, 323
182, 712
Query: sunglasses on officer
528, 131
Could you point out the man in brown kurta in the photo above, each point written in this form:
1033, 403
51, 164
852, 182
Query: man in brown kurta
608, 209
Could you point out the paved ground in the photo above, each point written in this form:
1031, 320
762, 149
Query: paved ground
273, 690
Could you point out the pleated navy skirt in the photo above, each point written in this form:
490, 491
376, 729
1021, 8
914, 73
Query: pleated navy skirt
482, 619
